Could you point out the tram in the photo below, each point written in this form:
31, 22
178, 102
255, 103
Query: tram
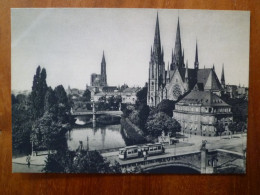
141, 151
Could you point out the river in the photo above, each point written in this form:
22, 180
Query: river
99, 137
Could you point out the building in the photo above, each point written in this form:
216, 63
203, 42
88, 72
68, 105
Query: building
199, 112
107, 95
178, 79
234, 91
100, 80
129, 95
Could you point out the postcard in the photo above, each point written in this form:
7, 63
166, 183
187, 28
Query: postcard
129, 90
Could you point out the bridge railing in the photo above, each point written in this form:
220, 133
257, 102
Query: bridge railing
160, 162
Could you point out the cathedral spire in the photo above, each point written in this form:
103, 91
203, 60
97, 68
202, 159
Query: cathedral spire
177, 56
196, 63
103, 58
183, 57
103, 70
157, 39
223, 77
168, 73
186, 72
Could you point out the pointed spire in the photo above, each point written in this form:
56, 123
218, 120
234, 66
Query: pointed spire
177, 57
183, 59
186, 72
168, 73
157, 39
222, 76
103, 58
103, 71
196, 63
162, 52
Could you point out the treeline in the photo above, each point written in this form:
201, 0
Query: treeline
152, 121
79, 162
40, 119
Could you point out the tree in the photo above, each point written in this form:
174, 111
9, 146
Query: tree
241, 126
134, 117
48, 133
21, 126
237, 127
161, 122
118, 101
39, 89
87, 95
220, 128
79, 162
144, 111
123, 87
141, 96
166, 106
50, 103
63, 106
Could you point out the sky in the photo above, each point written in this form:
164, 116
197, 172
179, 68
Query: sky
69, 43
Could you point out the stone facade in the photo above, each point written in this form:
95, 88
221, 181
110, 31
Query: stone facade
200, 111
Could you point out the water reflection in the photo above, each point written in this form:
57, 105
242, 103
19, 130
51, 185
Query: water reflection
99, 137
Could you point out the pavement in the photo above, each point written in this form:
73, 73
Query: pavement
35, 160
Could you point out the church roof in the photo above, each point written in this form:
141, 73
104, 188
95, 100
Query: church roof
205, 98
212, 82
204, 77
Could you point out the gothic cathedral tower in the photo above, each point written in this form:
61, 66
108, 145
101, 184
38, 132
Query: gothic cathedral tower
103, 71
177, 56
157, 78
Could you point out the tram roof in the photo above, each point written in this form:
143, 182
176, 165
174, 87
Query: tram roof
154, 144
129, 147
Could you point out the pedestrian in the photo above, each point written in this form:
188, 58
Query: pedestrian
28, 160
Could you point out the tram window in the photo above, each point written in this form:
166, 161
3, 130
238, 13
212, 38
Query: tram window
151, 149
135, 151
129, 152
159, 147
154, 148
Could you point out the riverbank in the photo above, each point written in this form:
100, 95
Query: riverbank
132, 134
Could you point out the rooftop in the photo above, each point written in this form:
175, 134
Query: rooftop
204, 98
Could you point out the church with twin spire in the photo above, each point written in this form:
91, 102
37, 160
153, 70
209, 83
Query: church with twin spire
178, 79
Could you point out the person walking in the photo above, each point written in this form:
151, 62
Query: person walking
28, 160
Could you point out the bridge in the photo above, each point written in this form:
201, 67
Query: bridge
90, 113
202, 161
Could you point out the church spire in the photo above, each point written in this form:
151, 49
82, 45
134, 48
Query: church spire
103, 70
186, 72
223, 77
103, 58
183, 57
157, 40
168, 73
196, 63
177, 56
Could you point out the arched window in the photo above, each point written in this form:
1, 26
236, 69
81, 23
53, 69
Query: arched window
152, 86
